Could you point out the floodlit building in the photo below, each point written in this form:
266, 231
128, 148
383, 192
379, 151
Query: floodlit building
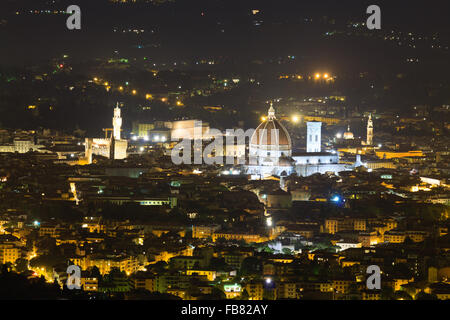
369, 141
348, 135
270, 152
9, 253
111, 148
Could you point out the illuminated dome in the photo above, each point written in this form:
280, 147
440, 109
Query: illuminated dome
348, 135
270, 139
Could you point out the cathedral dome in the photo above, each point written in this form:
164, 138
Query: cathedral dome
348, 135
271, 133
